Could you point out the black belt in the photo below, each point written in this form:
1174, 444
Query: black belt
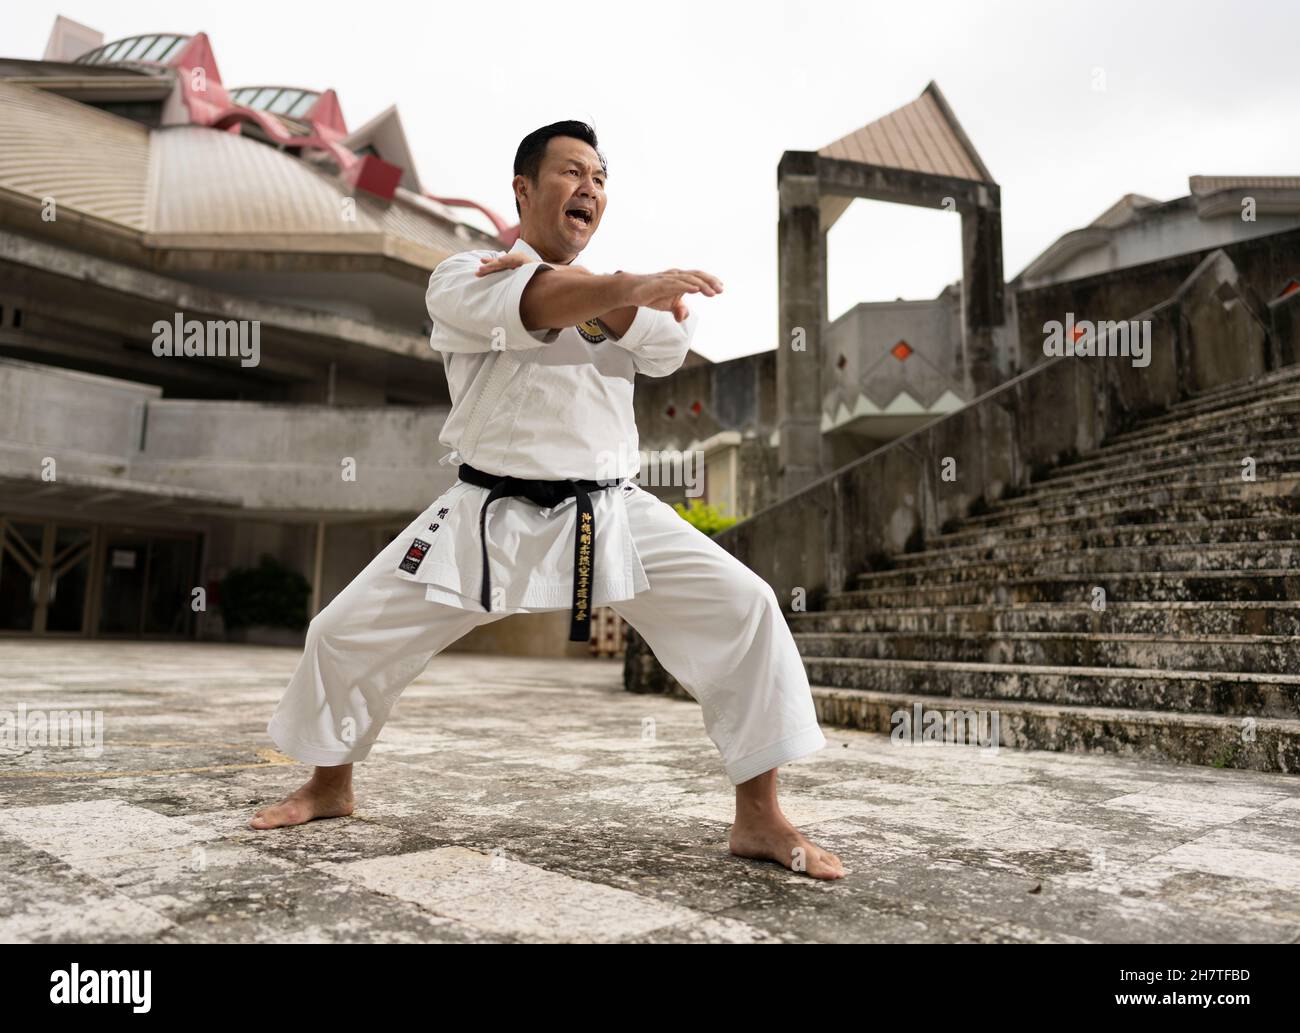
547, 494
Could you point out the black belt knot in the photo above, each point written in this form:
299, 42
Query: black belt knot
547, 494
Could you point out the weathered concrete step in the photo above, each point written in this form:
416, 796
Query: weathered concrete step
1047, 494
1267, 530
1208, 409
1248, 428
1222, 444
1148, 618
1104, 506
1189, 449
1227, 397
1166, 586
1225, 693
1196, 409
1263, 654
1229, 457
1242, 390
1242, 413
1250, 419
1205, 739
1143, 515
1240, 557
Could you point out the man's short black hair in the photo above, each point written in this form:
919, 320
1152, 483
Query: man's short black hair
532, 148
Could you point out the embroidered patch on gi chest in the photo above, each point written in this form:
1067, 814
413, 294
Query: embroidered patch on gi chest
414, 556
591, 331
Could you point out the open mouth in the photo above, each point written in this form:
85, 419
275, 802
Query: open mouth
578, 217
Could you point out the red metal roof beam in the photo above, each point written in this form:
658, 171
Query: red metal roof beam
209, 104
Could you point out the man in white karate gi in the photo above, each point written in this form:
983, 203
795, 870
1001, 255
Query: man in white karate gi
541, 357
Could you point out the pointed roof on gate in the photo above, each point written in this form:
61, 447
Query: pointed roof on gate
923, 136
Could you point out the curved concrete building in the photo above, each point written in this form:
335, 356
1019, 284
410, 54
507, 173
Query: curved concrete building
139, 200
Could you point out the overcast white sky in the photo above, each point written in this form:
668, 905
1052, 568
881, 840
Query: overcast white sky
694, 104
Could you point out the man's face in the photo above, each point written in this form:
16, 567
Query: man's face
560, 214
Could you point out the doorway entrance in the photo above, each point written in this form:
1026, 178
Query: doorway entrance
61, 578
45, 572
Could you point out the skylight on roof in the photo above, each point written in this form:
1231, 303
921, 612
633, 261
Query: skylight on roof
148, 48
289, 101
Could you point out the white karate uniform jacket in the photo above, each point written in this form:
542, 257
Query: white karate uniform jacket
543, 404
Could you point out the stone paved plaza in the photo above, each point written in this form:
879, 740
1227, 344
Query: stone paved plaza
512, 799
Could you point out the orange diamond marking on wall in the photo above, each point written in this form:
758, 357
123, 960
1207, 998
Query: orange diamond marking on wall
901, 350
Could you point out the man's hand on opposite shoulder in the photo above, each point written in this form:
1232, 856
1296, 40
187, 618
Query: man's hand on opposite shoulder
513, 260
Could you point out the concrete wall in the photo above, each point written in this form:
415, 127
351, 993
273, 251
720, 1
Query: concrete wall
274, 457
291, 456
1265, 263
1284, 318
89, 424
865, 334
738, 394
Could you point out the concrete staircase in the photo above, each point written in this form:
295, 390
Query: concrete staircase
1195, 656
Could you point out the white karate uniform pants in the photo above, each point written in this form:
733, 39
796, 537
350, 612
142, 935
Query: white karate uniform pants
714, 625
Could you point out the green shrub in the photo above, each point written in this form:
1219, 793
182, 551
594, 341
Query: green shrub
707, 518
269, 594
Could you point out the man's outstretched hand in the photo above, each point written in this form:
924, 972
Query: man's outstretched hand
664, 291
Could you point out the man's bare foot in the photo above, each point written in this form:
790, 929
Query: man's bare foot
327, 794
762, 832
773, 838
